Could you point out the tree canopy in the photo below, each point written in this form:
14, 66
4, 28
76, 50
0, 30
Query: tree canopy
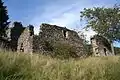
104, 21
3, 19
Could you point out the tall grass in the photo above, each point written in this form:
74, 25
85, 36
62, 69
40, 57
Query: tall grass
15, 66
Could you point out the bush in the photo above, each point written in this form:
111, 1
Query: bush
64, 51
59, 50
117, 50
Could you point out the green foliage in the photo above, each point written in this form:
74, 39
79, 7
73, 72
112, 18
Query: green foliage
47, 46
64, 51
3, 19
117, 50
105, 21
88, 49
21, 66
59, 50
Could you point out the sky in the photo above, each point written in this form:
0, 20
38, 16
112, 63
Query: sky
65, 13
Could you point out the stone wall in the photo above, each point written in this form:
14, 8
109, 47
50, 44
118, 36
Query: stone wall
51, 34
25, 41
22, 39
101, 46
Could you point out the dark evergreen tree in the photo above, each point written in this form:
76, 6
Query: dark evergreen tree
3, 19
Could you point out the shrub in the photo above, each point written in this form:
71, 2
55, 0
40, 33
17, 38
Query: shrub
64, 50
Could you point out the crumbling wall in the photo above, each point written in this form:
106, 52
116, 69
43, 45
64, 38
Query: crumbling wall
22, 39
51, 34
101, 46
25, 41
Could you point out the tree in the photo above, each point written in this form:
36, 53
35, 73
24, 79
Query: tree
3, 19
104, 21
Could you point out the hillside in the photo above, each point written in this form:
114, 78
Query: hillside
15, 66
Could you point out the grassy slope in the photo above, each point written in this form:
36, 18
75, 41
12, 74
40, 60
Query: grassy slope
15, 66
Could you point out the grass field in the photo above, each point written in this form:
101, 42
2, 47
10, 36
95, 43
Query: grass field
15, 66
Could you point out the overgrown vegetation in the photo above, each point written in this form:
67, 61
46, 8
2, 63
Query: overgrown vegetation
15, 66
117, 50
60, 50
64, 51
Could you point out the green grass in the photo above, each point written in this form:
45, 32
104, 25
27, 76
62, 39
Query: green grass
15, 66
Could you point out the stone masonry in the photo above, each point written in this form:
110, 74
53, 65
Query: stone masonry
25, 41
101, 46
22, 39
54, 34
